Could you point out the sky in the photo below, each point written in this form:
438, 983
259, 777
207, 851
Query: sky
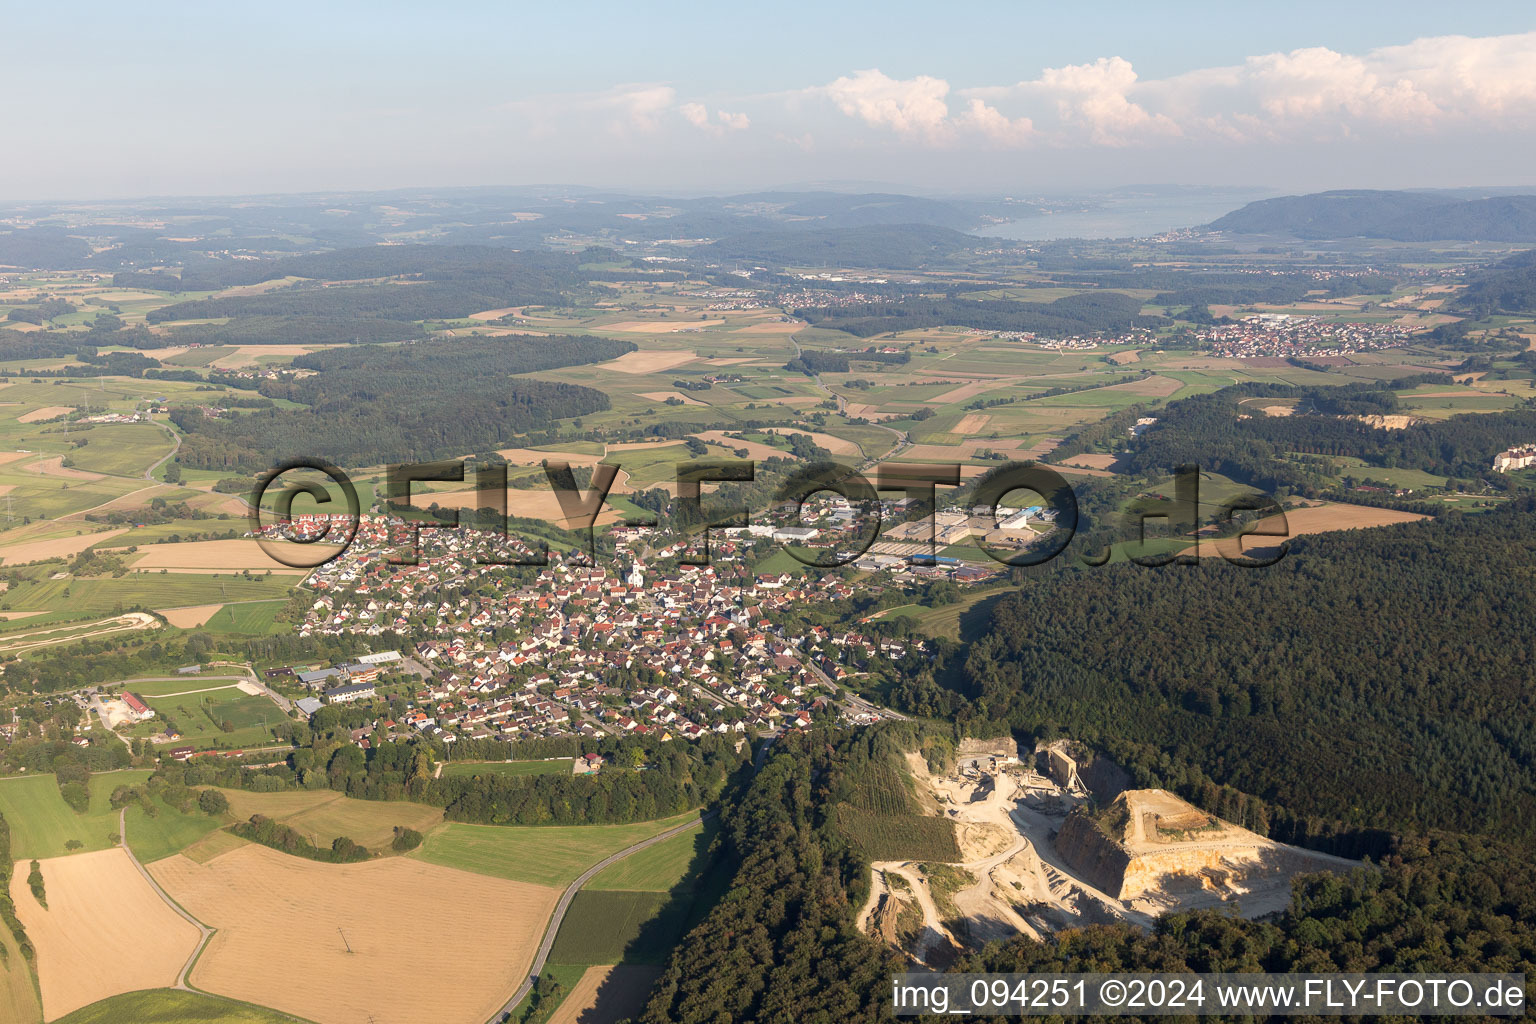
123, 100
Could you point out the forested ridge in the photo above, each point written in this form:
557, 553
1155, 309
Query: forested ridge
1219, 435
1405, 216
1508, 286
781, 944
410, 403
1378, 678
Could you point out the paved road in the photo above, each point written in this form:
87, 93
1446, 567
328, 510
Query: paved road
149, 474
204, 930
565, 902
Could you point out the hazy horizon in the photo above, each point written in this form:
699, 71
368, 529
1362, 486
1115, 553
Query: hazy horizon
188, 101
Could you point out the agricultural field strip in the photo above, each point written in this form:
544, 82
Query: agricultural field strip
204, 931
555, 919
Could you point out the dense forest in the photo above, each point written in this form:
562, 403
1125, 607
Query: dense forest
1090, 312
1372, 677
782, 946
1508, 286
369, 404
1216, 433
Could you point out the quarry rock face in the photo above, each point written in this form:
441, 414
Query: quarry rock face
1164, 845
1098, 860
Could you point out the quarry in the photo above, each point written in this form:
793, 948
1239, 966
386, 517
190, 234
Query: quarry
1052, 840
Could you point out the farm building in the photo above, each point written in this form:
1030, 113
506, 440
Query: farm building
141, 712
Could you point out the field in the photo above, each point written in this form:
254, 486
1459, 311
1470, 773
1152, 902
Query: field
555, 766
18, 992
611, 927
1325, 518
190, 618
100, 596
898, 836
605, 994
168, 832
169, 1006
41, 822
324, 815
418, 935
221, 555
546, 855
200, 716
105, 931
249, 617
661, 867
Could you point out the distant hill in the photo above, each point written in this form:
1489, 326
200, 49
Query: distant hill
1508, 286
899, 246
1401, 216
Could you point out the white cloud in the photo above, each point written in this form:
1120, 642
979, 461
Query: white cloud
1097, 97
697, 115
638, 106
910, 107
997, 126
733, 122
1309, 94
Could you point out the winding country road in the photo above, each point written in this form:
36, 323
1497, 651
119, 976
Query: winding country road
565, 902
149, 474
203, 930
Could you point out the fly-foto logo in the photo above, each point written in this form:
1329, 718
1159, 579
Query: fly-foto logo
313, 540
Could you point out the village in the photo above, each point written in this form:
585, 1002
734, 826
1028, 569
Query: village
518, 652
1281, 335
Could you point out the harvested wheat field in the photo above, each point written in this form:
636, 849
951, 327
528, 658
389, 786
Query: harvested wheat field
221, 556
58, 547
1153, 386
755, 449
660, 326
191, 617
605, 995
250, 355
534, 456
322, 815
47, 412
771, 327
974, 423
835, 445
620, 447
105, 931
13, 456
427, 943
1323, 518
649, 362
970, 390
1333, 516
55, 467
1092, 460
662, 396
496, 314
